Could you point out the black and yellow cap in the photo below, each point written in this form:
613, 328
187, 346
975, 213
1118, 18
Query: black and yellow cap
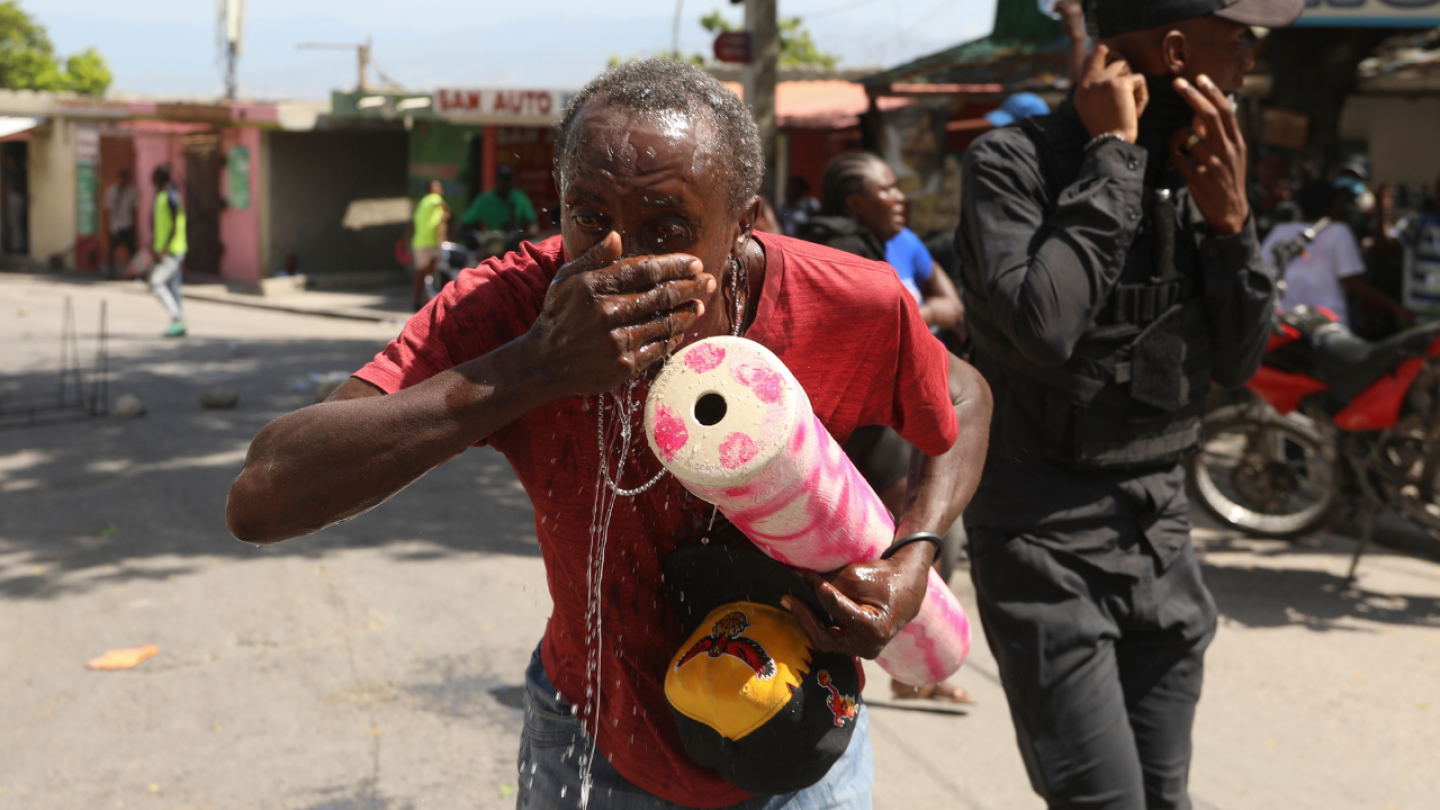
749, 695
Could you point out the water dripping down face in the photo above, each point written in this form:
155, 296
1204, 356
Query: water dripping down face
659, 180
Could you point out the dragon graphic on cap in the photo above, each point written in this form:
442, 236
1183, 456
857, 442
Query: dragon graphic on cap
843, 707
725, 639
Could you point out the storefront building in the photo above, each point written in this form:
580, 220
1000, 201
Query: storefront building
59, 155
462, 136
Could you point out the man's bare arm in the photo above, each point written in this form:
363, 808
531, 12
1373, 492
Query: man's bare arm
604, 320
338, 459
941, 486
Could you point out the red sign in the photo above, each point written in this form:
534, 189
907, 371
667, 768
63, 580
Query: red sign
733, 46
502, 102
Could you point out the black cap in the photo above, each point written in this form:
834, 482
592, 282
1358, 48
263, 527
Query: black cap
751, 699
1107, 18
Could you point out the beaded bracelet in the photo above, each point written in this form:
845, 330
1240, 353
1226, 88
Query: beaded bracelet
1102, 138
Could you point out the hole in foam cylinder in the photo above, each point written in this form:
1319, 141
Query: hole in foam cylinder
710, 409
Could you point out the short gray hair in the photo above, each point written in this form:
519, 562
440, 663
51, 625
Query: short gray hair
665, 85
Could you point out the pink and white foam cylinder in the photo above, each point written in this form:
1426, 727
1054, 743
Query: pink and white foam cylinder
731, 422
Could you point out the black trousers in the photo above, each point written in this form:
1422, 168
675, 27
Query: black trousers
1102, 671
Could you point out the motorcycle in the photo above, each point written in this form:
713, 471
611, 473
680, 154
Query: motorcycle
1331, 423
454, 257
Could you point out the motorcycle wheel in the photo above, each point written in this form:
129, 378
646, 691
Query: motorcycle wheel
1418, 497
1262, 473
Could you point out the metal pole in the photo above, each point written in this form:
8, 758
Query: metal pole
760, 18
232, 84
364, 55
675, 31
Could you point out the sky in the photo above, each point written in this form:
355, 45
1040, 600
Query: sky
168, 47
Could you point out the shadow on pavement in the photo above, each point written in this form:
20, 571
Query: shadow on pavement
1263, 596
103, 497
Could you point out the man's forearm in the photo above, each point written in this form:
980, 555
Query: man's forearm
941, 486
335, 460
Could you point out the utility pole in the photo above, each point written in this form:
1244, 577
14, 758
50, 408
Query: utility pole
362, 53
759, 79
675, 31
231, 30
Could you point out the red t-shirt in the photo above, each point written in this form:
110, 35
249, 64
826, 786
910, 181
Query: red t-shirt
844, 326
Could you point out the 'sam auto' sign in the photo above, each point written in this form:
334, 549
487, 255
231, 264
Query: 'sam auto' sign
1396, 13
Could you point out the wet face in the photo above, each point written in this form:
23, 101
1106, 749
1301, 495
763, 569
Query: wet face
657, 180
881, 206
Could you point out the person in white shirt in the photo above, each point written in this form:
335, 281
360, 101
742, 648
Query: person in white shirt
120, 202
1330, 268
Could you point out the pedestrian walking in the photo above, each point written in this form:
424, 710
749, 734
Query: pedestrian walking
540, 351
1110, 270
121, 200
169, 246
428, 231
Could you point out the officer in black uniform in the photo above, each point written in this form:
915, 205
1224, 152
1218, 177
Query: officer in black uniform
1110, 270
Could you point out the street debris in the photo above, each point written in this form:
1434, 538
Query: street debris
128, 406
219, 399
125, 658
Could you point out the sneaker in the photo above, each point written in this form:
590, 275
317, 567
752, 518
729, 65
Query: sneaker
177, 329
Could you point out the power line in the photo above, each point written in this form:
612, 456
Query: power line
942, 5
834, 11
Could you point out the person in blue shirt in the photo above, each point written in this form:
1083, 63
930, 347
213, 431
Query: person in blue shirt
932, 289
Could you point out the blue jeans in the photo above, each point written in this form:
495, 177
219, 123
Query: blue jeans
552, 743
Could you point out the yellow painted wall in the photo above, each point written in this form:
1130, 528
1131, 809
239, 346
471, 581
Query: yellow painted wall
52, 190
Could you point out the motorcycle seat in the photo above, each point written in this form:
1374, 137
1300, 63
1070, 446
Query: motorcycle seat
1349, 364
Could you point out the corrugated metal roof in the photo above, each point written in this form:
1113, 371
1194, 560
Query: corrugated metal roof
1013, 65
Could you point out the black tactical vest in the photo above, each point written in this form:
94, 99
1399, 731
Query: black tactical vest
1133, 392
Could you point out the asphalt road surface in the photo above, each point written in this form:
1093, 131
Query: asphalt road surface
376, 666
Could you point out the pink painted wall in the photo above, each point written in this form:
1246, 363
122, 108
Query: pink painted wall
156, 142
240, 227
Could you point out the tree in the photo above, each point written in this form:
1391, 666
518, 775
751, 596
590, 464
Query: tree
28, 60
796, 46
87, 73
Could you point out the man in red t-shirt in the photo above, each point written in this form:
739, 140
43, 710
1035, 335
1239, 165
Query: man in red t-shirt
658, 166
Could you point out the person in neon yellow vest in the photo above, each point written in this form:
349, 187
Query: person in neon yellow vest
169, 246
428, 229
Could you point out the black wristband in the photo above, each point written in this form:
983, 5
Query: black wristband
929, 537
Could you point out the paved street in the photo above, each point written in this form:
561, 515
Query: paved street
376, 665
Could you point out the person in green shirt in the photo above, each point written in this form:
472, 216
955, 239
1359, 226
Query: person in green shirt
169, 246
504, 208
428, 232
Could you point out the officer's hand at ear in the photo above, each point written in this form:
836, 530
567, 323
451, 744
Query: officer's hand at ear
1211, 154
1111, 97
